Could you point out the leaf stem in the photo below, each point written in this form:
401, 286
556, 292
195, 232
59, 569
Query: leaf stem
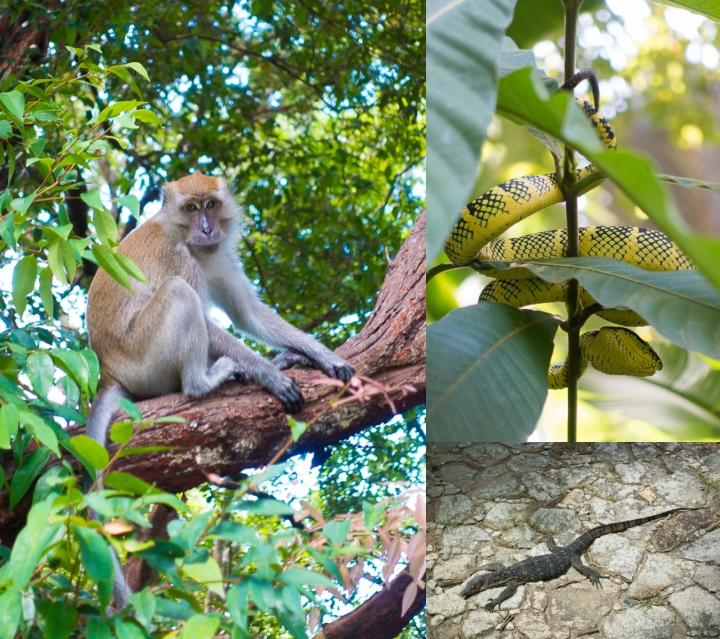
439, 268
572, 11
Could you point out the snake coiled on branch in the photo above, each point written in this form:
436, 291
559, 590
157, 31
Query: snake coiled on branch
612, 350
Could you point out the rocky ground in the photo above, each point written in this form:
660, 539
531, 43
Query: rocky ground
496, 503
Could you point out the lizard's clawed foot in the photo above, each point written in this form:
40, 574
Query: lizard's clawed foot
596, 581
490, 605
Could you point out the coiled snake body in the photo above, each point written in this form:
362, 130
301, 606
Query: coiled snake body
612, 350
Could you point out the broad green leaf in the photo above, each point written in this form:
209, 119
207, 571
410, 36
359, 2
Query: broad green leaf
105, 226
187, 533
45, 290
336, 531
682, 399
93, 366
231, 531
40, 370
128, 630
131, 202
488, 366
31, 543
144, 603
373, 514
119, 107
24, 277
207, 573
708, 8
133, 412
264, 507
128, 483
75, 365
97, 560
40, 430
92, 452
13, 104
173, 609
60, 619
145, 115
98, 628
121, 432
302, 577
681, 305
92, 199
22, 204
629, 171
138, 68
10, 609
68, 256
8, 424
108, 261
5, 129
237, 603
463, 44
296, 428
200, 627
130, 267
30, 468
55, 260
7, 230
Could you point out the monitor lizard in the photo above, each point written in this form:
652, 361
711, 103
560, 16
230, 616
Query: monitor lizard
551, 566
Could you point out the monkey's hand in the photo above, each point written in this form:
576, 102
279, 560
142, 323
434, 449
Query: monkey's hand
334, 366
283, 387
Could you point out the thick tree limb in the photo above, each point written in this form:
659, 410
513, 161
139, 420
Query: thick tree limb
379, 617
239, 426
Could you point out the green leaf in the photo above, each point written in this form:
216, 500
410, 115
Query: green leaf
629, 171
30, 468
10, 609
121, 432
131, 202
707, 8
128, 483
264, 507
463, 45
682, 399
488, 367
296, 428
98, 628
40, 370
131, 268
14, 106
45, 290
24, 277
121, 106
22, 204
207, 573
93, 366
336, 531
681, 305
108, 261
231, 531
237, 603
31, 543
302, 577
97, 560
40, 430
7, 230
128, 630
8, 425
5, 129
200, 627
138, 68
144, 603
145, 115
373, 514
75, 365
55, 260
688, 183
91, 451
133, 412
105, 226
60, 619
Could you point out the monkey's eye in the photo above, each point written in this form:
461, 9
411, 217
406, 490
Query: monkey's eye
192, 207
210, 205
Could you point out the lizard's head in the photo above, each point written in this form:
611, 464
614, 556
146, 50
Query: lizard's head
478, 583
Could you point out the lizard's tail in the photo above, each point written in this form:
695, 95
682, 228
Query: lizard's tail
624, 525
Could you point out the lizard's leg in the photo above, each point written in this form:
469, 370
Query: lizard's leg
503, 596
552, 546
477, 581
588, 572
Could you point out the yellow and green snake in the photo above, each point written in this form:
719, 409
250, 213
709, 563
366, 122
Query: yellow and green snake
612, 350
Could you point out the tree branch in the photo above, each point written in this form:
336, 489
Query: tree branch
240, 426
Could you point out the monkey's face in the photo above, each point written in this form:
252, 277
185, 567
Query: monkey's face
204, 224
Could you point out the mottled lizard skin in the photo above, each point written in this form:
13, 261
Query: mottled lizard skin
551, 566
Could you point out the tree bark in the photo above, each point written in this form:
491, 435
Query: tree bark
379, 617
240, 426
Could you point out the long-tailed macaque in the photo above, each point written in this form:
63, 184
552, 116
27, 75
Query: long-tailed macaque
159, 339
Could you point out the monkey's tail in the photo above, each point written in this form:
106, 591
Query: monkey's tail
98, 424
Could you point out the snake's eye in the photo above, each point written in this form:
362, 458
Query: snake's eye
192, 207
